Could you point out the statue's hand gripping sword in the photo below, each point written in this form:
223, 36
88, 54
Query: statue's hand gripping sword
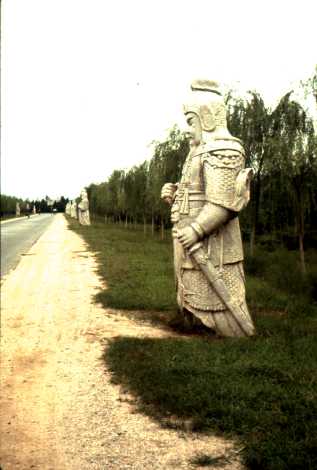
198, 253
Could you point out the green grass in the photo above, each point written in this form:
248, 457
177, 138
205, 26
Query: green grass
138, 269
260, 391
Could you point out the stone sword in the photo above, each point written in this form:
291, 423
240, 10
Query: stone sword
198, 253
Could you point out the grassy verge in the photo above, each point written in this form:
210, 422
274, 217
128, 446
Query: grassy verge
261, 390
138, 269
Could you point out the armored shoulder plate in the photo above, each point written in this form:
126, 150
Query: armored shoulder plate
222, 164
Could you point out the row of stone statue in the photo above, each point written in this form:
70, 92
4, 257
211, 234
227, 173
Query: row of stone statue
28, 211
79, 211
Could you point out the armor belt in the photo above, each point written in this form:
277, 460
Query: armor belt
189, 192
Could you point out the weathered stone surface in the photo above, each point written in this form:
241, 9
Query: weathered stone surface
67, 208
73, 209
214, 187
83, 209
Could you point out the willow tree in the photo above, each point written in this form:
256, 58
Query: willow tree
310, 85
165, 166
294, 144
250, 120
115, 188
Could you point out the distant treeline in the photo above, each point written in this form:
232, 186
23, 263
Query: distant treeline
8, 205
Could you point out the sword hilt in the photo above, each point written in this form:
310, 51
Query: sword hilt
195, 247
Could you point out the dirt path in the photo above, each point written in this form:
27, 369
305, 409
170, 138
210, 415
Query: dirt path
59, 410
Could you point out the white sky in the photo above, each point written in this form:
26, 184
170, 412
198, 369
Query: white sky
87, 85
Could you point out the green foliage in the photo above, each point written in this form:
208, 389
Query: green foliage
134, 195
281, 147
60, 204
310, 85
274, 281
138, 269
8, 205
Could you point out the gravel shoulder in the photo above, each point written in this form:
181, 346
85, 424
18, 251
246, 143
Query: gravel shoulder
59, 409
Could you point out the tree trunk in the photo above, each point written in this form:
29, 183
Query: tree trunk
144, 225
152, 226
300, 219
252, 240
256, 209
301, 232
302, 253
162, 229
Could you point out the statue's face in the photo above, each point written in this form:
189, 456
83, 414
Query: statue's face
194, 128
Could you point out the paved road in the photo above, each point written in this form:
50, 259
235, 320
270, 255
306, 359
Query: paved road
18, 236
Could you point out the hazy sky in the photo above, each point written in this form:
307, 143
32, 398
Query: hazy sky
87, 85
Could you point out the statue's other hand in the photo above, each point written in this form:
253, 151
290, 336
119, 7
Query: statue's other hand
187, 236
168, 192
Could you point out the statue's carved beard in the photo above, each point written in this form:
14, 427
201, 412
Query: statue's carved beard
194, 141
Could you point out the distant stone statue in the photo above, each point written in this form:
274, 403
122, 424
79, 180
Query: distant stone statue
73, 211
28, 210
17, 210
67, 208
214, 187
83, 209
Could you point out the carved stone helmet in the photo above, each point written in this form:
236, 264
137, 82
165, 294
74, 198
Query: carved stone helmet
207, 102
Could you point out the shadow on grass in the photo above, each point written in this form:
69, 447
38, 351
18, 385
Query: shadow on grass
204, 460
261, 391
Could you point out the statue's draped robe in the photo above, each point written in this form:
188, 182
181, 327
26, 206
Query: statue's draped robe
83, 212
211, 176
73, 210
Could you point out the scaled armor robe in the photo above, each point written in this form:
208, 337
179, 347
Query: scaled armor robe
213, 175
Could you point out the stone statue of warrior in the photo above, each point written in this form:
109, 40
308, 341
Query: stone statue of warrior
83, 209
67, 207
214, 187
73, 210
